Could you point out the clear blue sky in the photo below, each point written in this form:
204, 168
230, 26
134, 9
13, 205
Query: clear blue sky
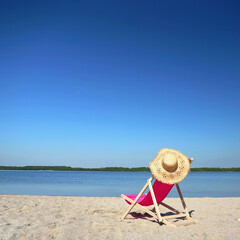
109, 83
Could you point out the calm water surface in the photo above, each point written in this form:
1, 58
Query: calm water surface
64, 183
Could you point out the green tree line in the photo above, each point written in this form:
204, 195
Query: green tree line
113, 169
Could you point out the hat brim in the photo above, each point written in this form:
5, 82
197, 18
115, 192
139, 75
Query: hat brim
170, 177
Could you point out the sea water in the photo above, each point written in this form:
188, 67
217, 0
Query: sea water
112, 184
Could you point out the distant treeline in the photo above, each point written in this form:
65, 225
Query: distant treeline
66, 168
113, 169
215, 169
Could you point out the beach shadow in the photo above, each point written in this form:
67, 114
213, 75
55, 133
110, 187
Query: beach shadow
191, 212
146, 216
172, 213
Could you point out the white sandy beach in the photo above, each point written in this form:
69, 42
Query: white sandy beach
55, 217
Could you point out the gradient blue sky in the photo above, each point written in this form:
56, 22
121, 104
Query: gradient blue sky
109, 83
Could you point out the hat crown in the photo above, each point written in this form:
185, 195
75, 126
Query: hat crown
170, 162
170, 166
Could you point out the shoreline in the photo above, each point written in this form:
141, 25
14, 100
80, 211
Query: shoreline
115, 169
35, 195
66, 217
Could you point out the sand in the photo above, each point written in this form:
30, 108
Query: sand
56, 217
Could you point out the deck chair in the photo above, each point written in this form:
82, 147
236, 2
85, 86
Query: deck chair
157, 193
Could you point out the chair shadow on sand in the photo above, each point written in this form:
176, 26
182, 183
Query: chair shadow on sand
148, 217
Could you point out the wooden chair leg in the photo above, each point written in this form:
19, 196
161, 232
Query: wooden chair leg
155, 202
140, 206
184, 204
148, 211
138, 196
182, 200
169, 207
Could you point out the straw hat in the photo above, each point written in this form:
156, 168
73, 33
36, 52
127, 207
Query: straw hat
170, 166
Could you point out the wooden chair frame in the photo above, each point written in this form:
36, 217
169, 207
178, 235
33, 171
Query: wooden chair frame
158, 216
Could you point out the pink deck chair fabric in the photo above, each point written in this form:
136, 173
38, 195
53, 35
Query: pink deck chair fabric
160, 189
